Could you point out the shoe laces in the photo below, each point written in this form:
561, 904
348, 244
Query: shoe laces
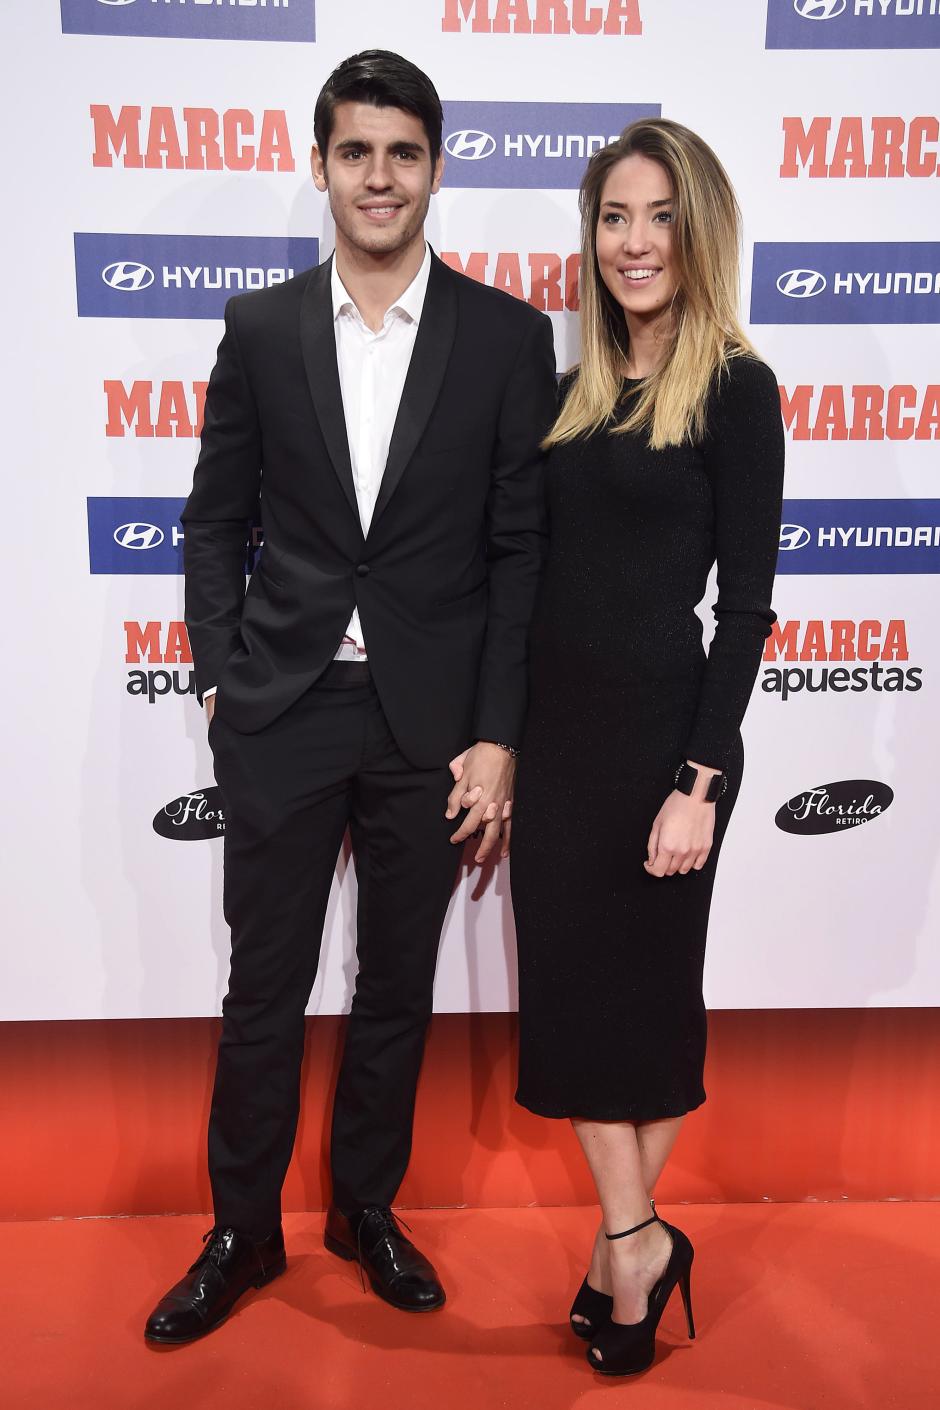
384, 1221
214, 1239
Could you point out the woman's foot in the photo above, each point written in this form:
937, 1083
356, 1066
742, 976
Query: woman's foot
598, 1275
635, 1265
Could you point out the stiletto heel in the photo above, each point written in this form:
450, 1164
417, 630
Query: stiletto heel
685, 1288
626, 1349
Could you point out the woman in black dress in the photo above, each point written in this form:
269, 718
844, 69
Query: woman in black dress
667, 454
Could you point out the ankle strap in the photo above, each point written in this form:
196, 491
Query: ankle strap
635, 1230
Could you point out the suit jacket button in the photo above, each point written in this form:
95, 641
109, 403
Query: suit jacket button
362, 570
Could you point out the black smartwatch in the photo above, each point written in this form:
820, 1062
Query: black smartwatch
686, 778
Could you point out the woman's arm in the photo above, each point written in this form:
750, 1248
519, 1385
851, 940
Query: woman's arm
744, 453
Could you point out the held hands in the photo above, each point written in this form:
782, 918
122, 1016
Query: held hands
483, 783
210, 708
682, 834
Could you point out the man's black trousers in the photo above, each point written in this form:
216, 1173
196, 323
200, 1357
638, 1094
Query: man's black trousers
289, 793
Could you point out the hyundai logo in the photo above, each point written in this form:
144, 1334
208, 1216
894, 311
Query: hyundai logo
138, 536
470, 145
793, 536
128, 276
115, 2
801, 283
819, 9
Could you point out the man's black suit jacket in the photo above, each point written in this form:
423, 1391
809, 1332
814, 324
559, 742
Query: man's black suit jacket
445, 580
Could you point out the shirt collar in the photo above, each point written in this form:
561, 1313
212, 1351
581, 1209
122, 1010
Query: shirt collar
410, 303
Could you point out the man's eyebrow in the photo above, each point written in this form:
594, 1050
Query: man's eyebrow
360, 144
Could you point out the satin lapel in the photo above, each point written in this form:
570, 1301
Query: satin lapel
426, 373
318, 345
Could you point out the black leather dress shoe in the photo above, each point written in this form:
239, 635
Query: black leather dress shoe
229, 1265
398, 1271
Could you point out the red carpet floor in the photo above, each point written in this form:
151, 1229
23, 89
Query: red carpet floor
809, 1307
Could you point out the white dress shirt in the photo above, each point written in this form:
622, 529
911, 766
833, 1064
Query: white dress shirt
372, 372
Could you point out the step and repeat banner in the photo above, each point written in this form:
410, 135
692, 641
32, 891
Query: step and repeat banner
158, 163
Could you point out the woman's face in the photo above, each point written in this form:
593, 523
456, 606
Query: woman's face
634, 237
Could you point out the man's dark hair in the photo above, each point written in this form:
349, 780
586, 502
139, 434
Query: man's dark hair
385, 80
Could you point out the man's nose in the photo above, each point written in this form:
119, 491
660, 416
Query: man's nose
379, 175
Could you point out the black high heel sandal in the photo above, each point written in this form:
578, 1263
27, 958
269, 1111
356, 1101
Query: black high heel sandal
629, 1348
596, 1307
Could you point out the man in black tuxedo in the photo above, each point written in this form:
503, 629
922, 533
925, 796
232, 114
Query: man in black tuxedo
387, 412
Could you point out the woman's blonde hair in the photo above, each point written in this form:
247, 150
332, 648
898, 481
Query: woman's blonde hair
706, 332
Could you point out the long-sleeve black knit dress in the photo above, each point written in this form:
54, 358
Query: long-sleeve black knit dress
612, 1019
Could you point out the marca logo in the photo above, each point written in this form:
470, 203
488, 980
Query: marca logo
846, 283
192, 19
860, 536
549, 282
878, 644
179, 276
175, 409
853, 24
199, 139
542, 17
139, 535
833, 807
860, 147
532, 145
144, 535
193, 817
863, 412
158, 644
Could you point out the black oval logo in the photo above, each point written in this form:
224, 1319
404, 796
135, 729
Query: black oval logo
835, 807
193, 817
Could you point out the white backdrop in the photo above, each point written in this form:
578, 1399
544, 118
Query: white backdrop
106, 918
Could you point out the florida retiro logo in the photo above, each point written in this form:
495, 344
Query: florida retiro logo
834, 807
193, 817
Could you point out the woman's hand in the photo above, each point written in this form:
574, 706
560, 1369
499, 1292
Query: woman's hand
682, 834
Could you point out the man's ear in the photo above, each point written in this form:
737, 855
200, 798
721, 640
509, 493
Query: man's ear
318, 168
437, 175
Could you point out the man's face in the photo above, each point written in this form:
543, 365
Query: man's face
379, 177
